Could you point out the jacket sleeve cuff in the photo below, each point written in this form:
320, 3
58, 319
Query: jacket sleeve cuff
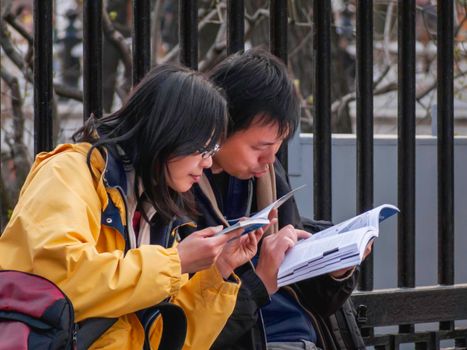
256, 287
211, 279
175, 276
344, 277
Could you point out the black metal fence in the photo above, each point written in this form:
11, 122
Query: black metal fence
404, 306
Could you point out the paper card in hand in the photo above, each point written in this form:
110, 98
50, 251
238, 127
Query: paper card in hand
261, 218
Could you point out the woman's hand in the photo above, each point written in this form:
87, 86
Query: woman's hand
272, 254
201, 249
238, 251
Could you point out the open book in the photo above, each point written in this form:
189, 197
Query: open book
259, 219
334, 248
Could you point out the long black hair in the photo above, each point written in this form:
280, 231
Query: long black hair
172, 112
256, 83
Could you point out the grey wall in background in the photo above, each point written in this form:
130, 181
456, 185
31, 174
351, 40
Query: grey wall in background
385, 191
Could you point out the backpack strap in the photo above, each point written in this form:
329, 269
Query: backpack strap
90, 330
174, 326
173, 331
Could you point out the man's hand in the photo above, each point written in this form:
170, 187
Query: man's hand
272, 254
342, 272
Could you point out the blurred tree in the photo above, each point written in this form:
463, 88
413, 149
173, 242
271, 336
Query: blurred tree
16, 64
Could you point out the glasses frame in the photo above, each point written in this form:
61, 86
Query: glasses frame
206, 153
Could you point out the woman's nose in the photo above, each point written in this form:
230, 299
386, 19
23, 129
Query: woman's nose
206, 162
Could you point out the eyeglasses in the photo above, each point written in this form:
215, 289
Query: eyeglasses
206, 153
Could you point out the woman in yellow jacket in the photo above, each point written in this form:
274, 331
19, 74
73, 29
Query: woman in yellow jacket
95, 217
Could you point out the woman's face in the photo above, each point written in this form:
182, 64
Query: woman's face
184, 171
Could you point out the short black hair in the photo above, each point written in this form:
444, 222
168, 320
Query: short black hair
173, 111
257, 83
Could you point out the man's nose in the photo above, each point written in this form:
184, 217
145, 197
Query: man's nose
269, 157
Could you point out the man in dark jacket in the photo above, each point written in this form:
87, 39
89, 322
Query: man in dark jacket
246, 177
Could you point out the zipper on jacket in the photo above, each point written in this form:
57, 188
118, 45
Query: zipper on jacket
262, 329
126, 235
74, 345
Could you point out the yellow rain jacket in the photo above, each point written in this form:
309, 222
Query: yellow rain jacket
58, 230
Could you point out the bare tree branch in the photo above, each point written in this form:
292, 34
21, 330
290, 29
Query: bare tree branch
343, 102
10, 51
172, 54
11, 20
220, 44
346, 99
216, 49
118, 41
22, 63
258, 14
5, 6
18, 150
387, 32
426, 90
300, 46
382, 76
16, 104
155, 24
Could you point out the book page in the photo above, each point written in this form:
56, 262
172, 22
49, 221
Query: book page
318, 262
370, 218
264, 213
310, 248
248, 225
337, 247
345, 261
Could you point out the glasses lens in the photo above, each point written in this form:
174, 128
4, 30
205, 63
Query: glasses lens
209, 153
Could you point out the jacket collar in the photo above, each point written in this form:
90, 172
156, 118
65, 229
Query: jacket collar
265, 194
206, 189
114, 174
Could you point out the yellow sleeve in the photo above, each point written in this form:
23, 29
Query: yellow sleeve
208, 301
54, 232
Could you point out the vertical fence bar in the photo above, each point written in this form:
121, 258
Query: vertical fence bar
322, 116
43, 83
278, 42
445, 147
188, 32
365, 123
141, 39
92, 58
406, 147
278, 28
235, 26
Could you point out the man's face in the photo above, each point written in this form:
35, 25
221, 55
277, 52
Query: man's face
247, 153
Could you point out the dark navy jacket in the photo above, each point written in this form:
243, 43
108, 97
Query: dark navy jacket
320, 297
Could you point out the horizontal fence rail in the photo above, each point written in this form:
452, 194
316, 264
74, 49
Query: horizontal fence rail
421, 304
413, 305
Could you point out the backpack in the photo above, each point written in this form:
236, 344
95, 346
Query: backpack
36, 314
